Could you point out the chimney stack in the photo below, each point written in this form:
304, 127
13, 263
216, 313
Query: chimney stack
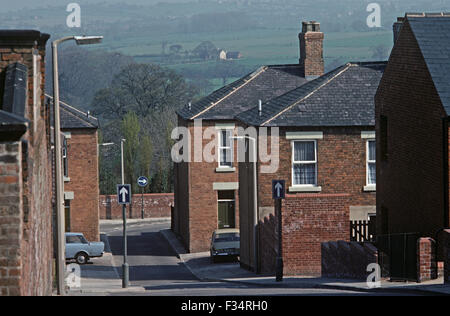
397, 27
311, 50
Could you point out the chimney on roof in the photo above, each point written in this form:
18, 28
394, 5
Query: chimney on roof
311, 50
260, 107
397, 27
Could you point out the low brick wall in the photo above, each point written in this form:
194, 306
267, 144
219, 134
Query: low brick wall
308, 221
447, 256
347, 260
155, 206
426, 259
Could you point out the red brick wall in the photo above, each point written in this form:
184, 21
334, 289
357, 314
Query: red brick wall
411, 181
11, 213
31, 218
155, 206
341, 169
311, 52
308, 221
426, 259
83, 174
341, 166
347, 260
201, 214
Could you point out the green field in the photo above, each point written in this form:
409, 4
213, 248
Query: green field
260, 47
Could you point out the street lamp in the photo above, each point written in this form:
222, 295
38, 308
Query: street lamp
125, 266
255, 200
60, 216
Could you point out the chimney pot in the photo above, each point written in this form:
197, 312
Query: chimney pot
397, 27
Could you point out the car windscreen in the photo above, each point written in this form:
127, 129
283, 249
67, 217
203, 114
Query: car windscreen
226, 237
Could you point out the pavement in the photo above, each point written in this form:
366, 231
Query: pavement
100, 277
200, 265
154, 269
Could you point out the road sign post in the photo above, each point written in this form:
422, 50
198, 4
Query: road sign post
124, 198
142, 182
278, 193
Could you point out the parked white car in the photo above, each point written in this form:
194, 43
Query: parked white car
78, 248
225, 243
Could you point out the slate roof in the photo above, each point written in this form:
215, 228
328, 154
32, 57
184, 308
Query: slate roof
264, 84
73, 118
432, 32
342, 97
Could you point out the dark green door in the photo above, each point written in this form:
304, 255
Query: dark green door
226, 214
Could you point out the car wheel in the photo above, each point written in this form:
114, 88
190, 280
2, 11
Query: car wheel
81, 258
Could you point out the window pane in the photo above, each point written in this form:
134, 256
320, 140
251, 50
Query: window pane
225, 139
372, 174
304, 174
226, 195
304, 151
225, 157
372, 153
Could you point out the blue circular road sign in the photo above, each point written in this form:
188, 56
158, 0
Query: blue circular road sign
142, 182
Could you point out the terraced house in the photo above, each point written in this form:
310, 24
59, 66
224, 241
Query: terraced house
327, 158
80, 170
25, 166
206, 193
413, 112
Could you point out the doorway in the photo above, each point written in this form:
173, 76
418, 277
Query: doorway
226, 209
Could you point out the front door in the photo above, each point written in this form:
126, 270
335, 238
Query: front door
226, 209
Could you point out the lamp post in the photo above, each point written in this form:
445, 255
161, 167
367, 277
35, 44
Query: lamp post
125, 267
59, 183
255, 201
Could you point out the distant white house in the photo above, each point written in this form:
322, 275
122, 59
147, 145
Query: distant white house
224, 55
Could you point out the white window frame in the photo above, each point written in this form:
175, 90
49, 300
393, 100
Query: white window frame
369, 185
304, 163
220, 148
65, 158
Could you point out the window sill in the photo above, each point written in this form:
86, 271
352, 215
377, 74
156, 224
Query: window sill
370, 188
225, 169
66, 179
306, 188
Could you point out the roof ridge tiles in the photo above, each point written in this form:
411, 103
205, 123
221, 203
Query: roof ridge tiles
251, 77
346, 67
73, 108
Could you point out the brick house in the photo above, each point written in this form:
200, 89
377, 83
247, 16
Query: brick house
26, 248
80, 171
412, 126
326, 155
206, 193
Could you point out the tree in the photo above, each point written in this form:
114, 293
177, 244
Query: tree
175, 49
83, 72
130, 131
206, 50
141, 101
146, 155
142, 88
